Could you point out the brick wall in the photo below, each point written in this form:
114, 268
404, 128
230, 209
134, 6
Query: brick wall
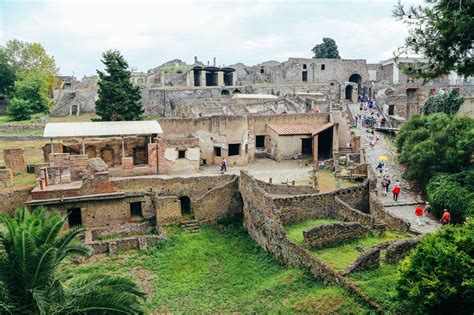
15, 160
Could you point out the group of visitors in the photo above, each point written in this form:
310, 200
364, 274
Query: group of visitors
386, 182
420, 213
371, 115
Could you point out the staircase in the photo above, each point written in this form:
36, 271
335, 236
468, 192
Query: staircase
345, 150
191, 226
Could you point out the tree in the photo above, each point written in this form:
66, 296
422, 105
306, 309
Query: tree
30, 274
26, 58
443, 32
327, 49
118, 98
434, 144
453, 192
19, 109
33, 88
7, 75
448, 103
438, 277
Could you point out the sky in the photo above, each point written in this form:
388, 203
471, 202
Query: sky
149, 33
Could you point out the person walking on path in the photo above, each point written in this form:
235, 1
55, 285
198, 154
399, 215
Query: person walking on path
224, 166
387, 184
396, 191
446, 217
419, 214
427, 211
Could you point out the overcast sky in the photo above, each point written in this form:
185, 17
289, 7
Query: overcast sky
149, 33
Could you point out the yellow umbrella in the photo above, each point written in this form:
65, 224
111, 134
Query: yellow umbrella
383, 158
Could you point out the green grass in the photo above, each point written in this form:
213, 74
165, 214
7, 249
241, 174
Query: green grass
379, 284
173, 69
295, 230
114, 236
221, 270
342, 255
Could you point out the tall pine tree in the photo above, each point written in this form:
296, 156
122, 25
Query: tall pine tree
118, 98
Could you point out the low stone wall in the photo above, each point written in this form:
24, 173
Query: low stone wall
219, 202
378, 212
400, 249
367, 260
263, 224
136, 242
12, 200
280, 189
345, 211
328, 234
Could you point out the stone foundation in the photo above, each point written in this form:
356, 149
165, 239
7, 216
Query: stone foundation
15, 160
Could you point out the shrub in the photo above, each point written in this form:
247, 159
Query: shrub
19, 109
437, 278
448, 192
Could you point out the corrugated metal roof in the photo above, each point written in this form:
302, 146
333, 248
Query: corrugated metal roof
298, 129
254, 96
101, 129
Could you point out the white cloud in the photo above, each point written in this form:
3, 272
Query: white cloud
150, 32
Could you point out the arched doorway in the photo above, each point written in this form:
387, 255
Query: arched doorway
356, 78
237, 91
349, 92
185, 206
225, 92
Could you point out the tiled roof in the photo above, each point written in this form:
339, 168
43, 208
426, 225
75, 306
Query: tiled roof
298, 129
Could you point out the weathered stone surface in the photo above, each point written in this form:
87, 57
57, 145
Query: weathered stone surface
367, 260
127, 163
96, 165
15, 160
329, 234
400, 249
6, 178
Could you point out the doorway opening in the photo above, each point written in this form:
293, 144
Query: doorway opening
74, 217
136, 210
325, 139
349, 92
234, 149
307, 147
260, 142
186, 207
391, 110
304, 76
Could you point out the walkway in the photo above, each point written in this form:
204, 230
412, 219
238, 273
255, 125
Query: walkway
408, 199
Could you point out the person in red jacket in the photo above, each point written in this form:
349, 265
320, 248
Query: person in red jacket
446, 217
419, 214
396, 192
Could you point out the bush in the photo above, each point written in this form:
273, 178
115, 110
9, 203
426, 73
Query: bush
19, 109
448, 103
452, 192
435, 144
438, 277
34, 89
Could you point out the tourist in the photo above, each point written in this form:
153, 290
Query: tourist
224, 165
387, 186
396, 191
419, 214
427, 210
446, 217
379, 166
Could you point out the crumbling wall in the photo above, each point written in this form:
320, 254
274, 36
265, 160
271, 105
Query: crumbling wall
219, 202
400, 249
6, 178
15, 160
12, 200
168, 209
327, 234
282, 189
378, 212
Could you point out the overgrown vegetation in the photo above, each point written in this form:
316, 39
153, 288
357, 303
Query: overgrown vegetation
438, 277
434, 148
31, 281
221, 270
327, 49
174, 69
340, 256
447, 103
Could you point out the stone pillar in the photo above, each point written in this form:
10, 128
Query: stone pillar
162, 78
203, 78
15, 160
356, 143
315, 148
153, 157
190, 78
78, 164
127, 163
335, 138
234, 78
58, 148
6, 178
220, 78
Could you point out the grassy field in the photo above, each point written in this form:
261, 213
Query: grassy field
221, 270
33, 151
295, 230
342, 255
379, 284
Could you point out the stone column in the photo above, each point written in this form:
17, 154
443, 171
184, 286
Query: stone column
153, 157
190, 78
315, 148
234, 78
203, 78
335, 138
220, 78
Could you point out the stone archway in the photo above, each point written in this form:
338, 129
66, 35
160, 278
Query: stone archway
357, 78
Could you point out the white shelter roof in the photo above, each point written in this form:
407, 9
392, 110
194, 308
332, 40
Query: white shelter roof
101, 129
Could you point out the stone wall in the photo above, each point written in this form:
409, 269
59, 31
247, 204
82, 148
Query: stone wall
6, 178
169, 161
168, 209
400, 249
15, 160
281, 189
219, 202
327, 234
348, 213
378, 212
12, 200
367, 260
192, 187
